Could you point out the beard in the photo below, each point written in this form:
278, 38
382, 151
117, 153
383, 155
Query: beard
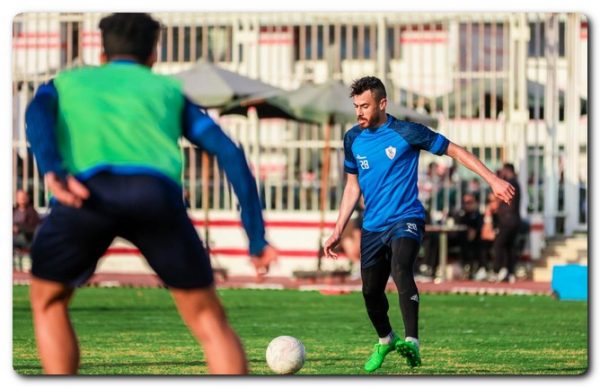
369, 123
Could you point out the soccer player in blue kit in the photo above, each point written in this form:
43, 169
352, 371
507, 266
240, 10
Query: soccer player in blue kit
381, 162
106, 140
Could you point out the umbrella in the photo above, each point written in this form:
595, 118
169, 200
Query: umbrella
213, 87
315, 103
325, 104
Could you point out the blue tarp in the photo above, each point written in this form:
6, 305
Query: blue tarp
570, 282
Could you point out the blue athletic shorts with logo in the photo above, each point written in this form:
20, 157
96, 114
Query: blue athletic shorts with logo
375, 246
146, 210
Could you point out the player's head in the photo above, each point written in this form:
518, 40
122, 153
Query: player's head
469, 202
22, 198
370, 100
508, 171
130, 35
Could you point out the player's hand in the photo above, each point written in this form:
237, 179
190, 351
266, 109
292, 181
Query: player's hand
503, 190
69, 192
330, 244
263, 261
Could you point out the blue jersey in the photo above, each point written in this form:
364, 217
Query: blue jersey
386, 160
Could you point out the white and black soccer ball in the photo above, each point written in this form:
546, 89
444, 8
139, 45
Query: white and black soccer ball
285, 355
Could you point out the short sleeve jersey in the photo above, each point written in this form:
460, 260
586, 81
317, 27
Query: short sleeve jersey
386, 160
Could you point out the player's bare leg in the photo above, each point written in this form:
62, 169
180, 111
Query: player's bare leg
56, 340
203, 314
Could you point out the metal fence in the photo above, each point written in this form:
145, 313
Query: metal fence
507, 86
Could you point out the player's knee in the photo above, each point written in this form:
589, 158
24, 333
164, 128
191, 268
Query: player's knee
197, 304
45, 297
401, 274
210, 323
371, 295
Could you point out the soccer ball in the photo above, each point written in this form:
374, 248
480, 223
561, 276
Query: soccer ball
285, 355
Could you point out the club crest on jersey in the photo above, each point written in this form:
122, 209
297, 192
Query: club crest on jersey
390, 151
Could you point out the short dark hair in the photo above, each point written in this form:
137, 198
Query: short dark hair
132, 34
363, 84
470, 196
509, 166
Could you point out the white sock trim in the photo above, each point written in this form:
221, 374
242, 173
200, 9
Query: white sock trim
387, 339
413, 340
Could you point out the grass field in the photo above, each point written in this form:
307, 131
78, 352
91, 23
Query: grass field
125, 331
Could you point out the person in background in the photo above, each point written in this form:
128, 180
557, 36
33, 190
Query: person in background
25, 222
488, 235
429, 184
431, 251
474, 187
350, 241
470, 240
509, 221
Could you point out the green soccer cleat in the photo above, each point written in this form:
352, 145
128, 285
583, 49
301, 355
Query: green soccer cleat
410, 351
379, 353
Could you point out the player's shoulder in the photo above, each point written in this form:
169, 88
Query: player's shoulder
81, 75
403, 127
173, 84
46, 87
410, 131
354, 131
351, 134
76, 72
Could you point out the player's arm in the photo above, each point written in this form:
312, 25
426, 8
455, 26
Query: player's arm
40, 126
502, 189
349, 199
202, 131
424, 138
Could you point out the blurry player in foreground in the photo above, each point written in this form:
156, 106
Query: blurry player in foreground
381, 161
106, 139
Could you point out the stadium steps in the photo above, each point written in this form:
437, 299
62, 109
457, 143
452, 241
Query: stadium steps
561, 251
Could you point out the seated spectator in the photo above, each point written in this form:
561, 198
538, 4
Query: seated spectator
470, 240
25, 222
474, 187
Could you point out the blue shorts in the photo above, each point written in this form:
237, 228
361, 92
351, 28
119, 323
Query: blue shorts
376, 245
146, 210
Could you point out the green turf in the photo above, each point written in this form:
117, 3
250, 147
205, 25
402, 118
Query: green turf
137, 331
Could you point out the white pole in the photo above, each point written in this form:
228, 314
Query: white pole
551, 119
572, 109
382, 61
523, 111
